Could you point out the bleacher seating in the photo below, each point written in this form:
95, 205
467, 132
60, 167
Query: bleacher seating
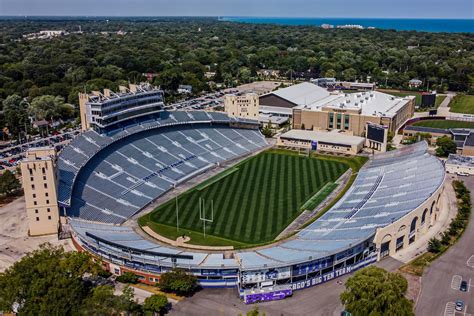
111, 177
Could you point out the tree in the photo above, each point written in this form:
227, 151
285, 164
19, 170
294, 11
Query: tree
157, 303
128, 277
330, 73
15, 113
255, 312
350, 74
445, 146
179, 282
434, 245
46, 107
102, 301
47, 281
374, 291
267, 130
9, 184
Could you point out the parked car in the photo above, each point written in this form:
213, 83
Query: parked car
463, 286
462, 174
459, 305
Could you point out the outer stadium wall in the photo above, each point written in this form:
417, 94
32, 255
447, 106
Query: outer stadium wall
409, 228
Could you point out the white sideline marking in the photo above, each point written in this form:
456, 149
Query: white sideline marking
456, 282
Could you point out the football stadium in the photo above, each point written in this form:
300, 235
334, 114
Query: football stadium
134, 151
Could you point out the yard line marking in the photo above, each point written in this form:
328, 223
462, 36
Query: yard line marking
456, 282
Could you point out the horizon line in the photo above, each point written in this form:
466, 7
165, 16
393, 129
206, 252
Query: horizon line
233, 16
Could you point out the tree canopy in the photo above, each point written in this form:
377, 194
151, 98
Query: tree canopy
373, 291
50, 281
41, 77
445, 146
155, 304
178, 281
9, 184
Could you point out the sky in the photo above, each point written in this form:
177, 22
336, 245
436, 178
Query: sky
458, 9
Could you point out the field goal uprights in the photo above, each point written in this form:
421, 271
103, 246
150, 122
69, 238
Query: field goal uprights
202, 214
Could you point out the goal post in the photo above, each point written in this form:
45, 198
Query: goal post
202, 214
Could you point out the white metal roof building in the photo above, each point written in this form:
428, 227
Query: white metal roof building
352, 111
282, 101
330, 142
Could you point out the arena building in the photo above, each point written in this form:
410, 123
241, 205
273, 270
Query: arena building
282, 101
109, 174
313, 107
352, 112
367, 224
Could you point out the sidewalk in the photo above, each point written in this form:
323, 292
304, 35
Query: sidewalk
447, 212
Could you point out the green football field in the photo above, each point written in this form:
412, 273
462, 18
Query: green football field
253, 201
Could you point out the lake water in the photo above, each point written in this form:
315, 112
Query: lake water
426, 25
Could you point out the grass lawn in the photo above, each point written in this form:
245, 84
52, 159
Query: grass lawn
463, 104
439, 100
253, 203
444, 124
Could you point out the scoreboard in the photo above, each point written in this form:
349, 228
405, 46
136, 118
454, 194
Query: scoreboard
376, 136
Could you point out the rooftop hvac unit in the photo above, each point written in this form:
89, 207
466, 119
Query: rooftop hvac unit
366, 98
361, 101
371, 95
348, 101
356, 104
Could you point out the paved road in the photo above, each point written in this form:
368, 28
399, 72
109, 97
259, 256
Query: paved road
321, 300
440, 282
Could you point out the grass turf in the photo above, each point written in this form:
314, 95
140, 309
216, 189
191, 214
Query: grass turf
444, 124
462, 104
251, 205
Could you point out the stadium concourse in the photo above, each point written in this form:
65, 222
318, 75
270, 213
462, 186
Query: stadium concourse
106, 179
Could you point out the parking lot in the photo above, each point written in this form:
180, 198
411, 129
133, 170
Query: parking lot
10, 156
441, 282
206, 102
214, 100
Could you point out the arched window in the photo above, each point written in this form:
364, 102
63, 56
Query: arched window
423, 217
432, 207
413, 224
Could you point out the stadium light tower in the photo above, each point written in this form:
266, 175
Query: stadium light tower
202, 214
